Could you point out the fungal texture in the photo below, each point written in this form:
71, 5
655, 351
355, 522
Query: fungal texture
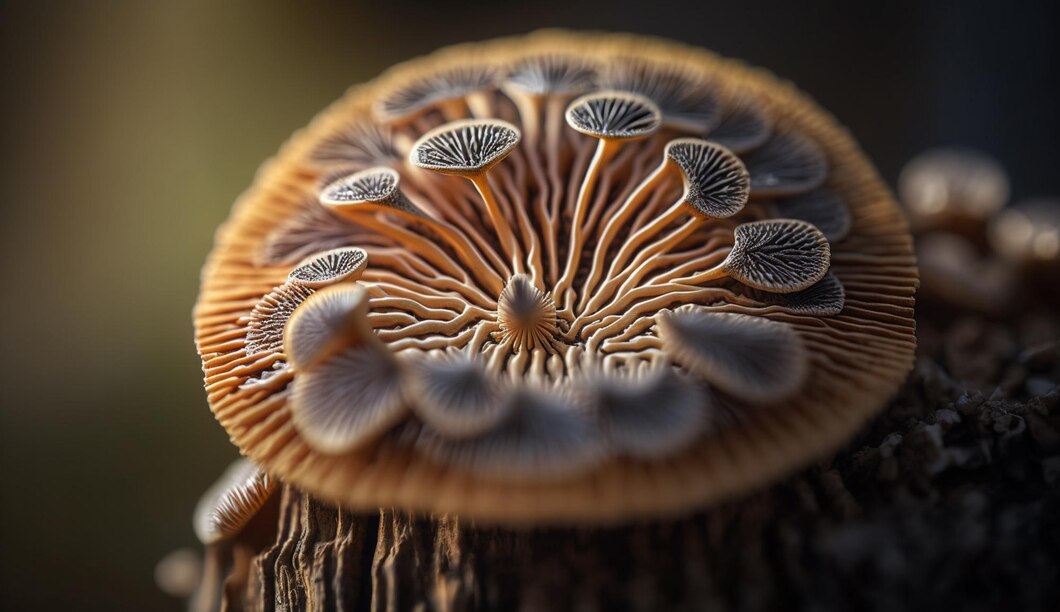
557, 278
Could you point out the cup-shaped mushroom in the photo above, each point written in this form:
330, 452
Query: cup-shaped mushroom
825, 298
330, 320
787, 164
455, 394
445, 89
544, 437
465, 148
647, 414
227, 506
716, 182
952, 184
614, 115
330, 267
376, 188
782, 256
744, 124
752, 358
821, 207
348, 400
1028, 232
687, 101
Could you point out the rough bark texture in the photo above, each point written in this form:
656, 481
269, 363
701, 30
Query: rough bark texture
952, 497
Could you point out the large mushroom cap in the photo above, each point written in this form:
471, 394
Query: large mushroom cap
718, 295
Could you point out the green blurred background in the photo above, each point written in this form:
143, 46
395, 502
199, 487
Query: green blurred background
129, 127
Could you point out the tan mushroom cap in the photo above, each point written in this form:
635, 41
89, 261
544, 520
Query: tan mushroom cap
232, 501
352, 433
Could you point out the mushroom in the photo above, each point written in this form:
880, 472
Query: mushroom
686, 282
226, 507
1028, 232
946, 185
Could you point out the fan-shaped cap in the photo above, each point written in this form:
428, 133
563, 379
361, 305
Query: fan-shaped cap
787, 164
823, 209
781, 256
348, 400
465, 147
716, 181
947, 182
613, 115
744, 124
456, 394
544, 437
327, 322
647, 414
227, 506
329, 267
375, 186
413, 97
825, 298
751, 358
551, 74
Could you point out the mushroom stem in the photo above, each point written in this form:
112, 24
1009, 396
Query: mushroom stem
530, 238
615, 224
653, 258
705, 276
605, 150
500, 224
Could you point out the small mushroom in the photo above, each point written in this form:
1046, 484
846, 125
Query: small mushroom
330, 320
687, 100
782, 256
822, 208
751, 358
446, 89
359, 146
544, 437
787, 164
744, 125
226, 507
1028, 232
948, 185
456, 394
330, 267
953, 272
647, 415
375, 188
541, 83
527, 315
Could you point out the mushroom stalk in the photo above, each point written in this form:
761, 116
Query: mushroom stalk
504, 231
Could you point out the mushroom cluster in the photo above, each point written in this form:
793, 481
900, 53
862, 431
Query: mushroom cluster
562, 277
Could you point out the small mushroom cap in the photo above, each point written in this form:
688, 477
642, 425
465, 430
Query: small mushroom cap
787, 164
716, 182
752, 358
953, 183
411, 99
348, 400
465, 147
330, 267
825, 298
614, 115
781, 255
823, 208
377, 186
685, 100
232, 501
647, 415
270, 316
1028, 231
744, 125
327, 322
551, 74
544, 437
455, 394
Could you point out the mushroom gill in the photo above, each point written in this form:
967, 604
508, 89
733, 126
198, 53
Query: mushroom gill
562, 277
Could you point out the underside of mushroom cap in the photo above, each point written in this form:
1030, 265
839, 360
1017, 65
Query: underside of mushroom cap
552, 270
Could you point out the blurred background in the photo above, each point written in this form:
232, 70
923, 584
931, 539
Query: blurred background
128, 128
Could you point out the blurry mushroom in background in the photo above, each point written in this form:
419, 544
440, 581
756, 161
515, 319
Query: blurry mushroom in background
719, 294
1028, 232
955, 273
952, 188
232, 501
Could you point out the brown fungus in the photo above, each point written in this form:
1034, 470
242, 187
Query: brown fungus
612, 316
226, 507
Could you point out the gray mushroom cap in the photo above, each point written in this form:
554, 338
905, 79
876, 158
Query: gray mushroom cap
465, 147
821, 207
614, 115
456, 394
782, 255
825, 298
752, 358
421, 94
744, 125
716, 182
329, 267
551, 74
685, 101
328, 321
787, 164
375, 186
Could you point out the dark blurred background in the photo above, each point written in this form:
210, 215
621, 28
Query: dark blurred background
128, 128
